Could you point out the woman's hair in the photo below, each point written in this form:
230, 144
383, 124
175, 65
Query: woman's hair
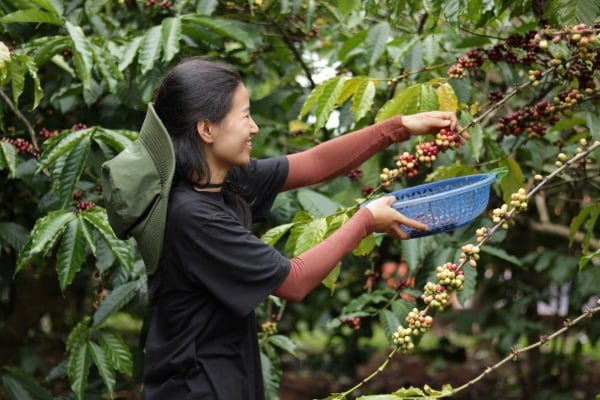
198, 89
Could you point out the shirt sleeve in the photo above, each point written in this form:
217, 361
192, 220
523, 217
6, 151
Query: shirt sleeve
338, 156
260, 182
228, 260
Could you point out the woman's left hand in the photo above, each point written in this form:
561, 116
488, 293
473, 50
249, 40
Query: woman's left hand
430, 122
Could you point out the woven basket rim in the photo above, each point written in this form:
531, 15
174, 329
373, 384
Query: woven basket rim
485, 180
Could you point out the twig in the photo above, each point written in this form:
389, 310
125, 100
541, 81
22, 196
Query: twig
518, 351
22, 118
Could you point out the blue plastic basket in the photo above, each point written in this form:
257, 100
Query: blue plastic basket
444, 205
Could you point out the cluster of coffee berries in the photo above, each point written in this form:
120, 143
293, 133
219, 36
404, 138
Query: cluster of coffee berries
352, 322
481, 234
163, 5
402, 338
269, 328
355, 174
418, 321
84, 205
470, 253
426, 153
22, 146
447, 139
450, 276
48, 134
519, 200
435, 296
530, 120
500, 214
473, 60
78, 126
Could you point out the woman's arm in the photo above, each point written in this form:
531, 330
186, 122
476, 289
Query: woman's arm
311, 267
337, 156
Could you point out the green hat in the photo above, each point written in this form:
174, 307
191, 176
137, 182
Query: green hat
136, 186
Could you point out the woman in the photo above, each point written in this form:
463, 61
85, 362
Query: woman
213, 272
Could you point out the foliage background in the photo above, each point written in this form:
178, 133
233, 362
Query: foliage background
74, 81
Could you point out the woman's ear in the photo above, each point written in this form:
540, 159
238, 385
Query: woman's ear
203, 130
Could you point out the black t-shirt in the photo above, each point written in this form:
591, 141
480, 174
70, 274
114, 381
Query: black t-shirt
202, 339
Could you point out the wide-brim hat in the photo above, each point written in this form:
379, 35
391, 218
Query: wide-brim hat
136, 185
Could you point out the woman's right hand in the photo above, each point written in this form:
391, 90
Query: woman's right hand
388, 220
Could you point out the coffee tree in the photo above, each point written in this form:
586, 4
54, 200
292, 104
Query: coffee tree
75, 77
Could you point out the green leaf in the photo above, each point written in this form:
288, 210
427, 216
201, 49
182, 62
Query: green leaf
389, 322
120, 249
469, 285
411, 100
13, 235
352, 46
226, 28
315, 203
71, 253
108, 68
587, 218
83, 57
415, 250
13, 389
70, 173
116, 139
54, 7
130, 51
584, 260
502, 254
365, 247
324, 98
104, 366
150, 49
23, 64
61, 145
31, 15
350, 87
17, 71
362, 101
312, 99
446, 97
273, 235
171, 36
43, 49
24, 385
116, 351
310, 234
331, 279
377, 38
44, 235
78, 367
513, 181
284, 343
8, 158
116, 300
79, 334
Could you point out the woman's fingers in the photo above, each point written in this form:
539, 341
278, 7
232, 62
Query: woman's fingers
413, 223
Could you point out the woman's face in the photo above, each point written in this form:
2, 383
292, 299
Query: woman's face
232, 137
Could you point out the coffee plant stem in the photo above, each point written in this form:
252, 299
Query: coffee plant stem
496, 105
537, 188
373, 374
514, 356
19, 115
